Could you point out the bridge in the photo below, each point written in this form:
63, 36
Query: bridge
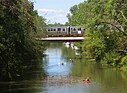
66, 39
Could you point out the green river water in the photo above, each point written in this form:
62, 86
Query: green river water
66, 77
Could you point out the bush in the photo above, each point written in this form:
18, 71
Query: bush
112, 58
123, 61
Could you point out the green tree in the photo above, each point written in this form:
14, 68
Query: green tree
17, 44
106, 31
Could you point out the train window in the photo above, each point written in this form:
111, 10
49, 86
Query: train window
48, 29
51, 29
63, 29
74, 29
54, 29
79, 29
59, 29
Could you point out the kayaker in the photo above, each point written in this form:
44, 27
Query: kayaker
87, 80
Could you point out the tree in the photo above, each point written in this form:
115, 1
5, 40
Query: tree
106, 31
17, 44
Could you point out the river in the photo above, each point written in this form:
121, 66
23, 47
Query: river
65, 76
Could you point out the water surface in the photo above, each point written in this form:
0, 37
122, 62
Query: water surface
66, 77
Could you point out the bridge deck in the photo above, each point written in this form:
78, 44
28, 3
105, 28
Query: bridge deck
62, 39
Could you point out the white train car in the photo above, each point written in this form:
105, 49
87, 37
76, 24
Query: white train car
65, 31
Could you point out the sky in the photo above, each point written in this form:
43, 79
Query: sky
55, 10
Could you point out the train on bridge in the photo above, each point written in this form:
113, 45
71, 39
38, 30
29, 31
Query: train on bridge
65, 31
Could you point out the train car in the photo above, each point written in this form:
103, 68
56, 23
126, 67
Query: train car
65, 31
62, 31
56, 31
76, 31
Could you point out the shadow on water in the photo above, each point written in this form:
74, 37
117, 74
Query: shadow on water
29, 82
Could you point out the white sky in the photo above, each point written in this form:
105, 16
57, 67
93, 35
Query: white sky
55, 10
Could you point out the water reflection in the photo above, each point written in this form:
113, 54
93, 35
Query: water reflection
30, 81
110, 79
56, 64
66, 78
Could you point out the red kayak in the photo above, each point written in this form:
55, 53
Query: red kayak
85, 81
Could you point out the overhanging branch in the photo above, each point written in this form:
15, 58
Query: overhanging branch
115, 27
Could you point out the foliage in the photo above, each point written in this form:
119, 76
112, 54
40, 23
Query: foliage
111, 58
105, 22
18, 25
124, 61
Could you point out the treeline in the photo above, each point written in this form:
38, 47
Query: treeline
19, 25
105, 22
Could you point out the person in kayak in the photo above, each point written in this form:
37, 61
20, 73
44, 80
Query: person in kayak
87, 80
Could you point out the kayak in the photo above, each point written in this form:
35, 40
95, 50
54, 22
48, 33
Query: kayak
85, 81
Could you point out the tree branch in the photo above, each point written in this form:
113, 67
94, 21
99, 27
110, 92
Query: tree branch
121, 30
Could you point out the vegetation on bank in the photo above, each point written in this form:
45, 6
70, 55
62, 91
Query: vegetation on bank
19, 25
106, 30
